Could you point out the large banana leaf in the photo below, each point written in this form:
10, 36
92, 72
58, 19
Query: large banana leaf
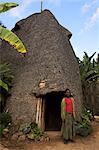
6, 6
12, 39
3, 85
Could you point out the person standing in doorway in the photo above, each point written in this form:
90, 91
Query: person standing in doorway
68, 117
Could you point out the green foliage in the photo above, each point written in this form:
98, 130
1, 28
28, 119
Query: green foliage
5, 119
32, 131
36, 131
89, 68
6, 74
8, 35
12, 39
7, 6
84, 127
5, 83
1, 129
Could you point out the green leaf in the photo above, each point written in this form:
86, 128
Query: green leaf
12, 39
92, 56
3, 85
4, 68
30, 136
7, 6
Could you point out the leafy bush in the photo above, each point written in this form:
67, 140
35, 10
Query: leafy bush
5, 119
32, 131
84, 128
36, 131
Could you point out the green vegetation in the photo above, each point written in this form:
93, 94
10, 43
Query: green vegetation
84, 128
7, 35
5, 119
33, 132
5, 83
89, 68
89, 71
12, 39
7, 6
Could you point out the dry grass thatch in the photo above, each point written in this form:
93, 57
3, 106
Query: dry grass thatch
50, 64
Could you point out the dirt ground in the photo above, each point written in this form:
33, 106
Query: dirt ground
56, 143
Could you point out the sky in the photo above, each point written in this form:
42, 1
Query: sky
80, 17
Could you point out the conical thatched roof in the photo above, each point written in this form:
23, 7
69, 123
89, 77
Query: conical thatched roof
50, 60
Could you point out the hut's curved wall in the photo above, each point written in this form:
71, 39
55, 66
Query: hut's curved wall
50, 58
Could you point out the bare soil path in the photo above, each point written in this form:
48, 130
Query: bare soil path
56, 143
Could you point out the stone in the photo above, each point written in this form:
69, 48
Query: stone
19, 133
42, 139
21, 138
14, 137
5, 132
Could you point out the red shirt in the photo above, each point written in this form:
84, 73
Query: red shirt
69, 105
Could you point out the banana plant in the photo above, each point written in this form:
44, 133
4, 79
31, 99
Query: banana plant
89, 69
7, 6
8, 35
3, 85
12, 39
5, 76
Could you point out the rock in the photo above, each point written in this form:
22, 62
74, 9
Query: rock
6, 130
19, 133
21, 138
14, 137
42, 139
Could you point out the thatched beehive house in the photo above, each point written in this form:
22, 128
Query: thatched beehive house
49, 67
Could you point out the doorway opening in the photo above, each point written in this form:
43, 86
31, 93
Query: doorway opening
53, 111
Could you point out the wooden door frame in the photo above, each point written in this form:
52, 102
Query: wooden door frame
40, 113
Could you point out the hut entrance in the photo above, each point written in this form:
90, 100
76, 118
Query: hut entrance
49, 111
53, 111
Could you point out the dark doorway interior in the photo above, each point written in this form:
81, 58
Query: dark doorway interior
53, 111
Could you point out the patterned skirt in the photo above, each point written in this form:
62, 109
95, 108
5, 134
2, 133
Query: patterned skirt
68, 128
